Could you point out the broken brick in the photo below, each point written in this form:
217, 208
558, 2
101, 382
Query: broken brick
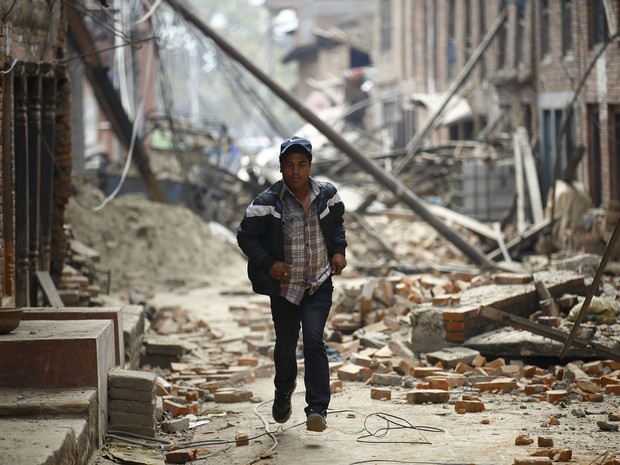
381, 394
468, 406
545, 441
433, 396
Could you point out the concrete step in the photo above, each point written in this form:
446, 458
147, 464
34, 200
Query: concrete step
48, 426
60, 355
56, 441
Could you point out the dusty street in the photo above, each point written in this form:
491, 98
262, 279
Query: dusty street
362, 430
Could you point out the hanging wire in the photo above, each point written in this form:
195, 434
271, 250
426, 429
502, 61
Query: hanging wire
96, 18
148, 14
11, 68
134, 135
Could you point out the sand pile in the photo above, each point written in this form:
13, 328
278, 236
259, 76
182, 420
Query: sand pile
149, 243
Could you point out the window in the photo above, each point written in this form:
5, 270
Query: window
615, 149
594, 155
520, 30
598, 30
467, 39
451, 40
567, 26
551, 125
544, 28
386, 25
482, 31
502, 39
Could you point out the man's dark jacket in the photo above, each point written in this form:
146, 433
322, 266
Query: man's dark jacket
260, 233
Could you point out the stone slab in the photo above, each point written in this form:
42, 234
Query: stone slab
60, 354
84, 313
44, 442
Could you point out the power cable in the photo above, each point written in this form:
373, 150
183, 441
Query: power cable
134, 134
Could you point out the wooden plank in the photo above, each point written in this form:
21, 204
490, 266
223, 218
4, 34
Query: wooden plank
545, 331
528, 234
519, 183
48, 288
531, 176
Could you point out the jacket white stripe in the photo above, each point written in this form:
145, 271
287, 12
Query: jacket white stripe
330, 203
262, 210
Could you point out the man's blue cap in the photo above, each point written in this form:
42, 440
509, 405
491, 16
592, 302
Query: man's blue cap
296, 143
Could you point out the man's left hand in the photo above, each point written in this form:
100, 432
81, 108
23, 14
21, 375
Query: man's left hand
339, 262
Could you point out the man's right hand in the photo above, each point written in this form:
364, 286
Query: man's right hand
280, 271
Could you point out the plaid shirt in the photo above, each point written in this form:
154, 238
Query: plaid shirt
304, 246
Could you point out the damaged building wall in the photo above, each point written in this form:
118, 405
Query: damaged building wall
35, 145
525, 78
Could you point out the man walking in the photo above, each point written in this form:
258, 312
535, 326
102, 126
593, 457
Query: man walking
293, 235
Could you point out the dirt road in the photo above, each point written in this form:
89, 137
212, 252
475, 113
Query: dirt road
362, 430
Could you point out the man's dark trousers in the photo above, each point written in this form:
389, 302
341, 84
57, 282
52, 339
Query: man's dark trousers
311, 315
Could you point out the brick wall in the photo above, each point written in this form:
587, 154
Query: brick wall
517, 76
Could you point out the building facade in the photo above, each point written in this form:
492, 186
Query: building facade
35, 146
551, 67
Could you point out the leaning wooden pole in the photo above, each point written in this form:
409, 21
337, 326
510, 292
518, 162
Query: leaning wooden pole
399, 190
592, 290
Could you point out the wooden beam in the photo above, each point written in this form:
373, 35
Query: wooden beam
593, 288
49, 290
546, 331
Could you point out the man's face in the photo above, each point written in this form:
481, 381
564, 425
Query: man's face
295, 169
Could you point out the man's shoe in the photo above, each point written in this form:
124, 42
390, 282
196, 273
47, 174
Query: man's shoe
281, 409
316, 420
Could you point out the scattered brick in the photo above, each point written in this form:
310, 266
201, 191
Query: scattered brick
335, 385
565, 455
532, 460
556, 394
423, 396
181, 456
497, 385
381, 394
545, 441
242, 439
468, 406
523, 440
613, 389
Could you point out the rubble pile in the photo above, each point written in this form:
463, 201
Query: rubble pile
148, 243
209, 372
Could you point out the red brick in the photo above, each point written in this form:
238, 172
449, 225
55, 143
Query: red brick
381, 394
613, 389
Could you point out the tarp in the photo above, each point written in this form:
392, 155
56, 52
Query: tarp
458, 109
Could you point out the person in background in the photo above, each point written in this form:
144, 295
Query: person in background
294, 237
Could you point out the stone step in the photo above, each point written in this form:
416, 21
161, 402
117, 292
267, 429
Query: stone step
60, 355
57, 441
49, 403
29, 414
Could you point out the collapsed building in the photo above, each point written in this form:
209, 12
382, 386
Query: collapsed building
473, 153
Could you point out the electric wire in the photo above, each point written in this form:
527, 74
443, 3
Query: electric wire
134, 134
105, 25
148, 14
11, 68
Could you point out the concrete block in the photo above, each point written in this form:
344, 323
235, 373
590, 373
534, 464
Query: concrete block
131, 379
60, 354
113, 314
128, 394
450, 357
132, 406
